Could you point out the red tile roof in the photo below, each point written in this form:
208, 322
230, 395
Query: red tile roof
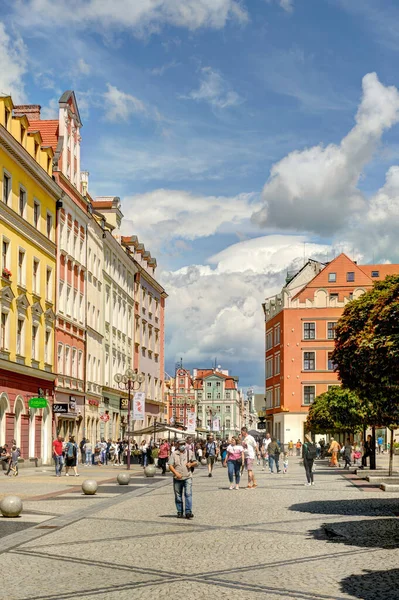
102, 204
49, 131
383, 270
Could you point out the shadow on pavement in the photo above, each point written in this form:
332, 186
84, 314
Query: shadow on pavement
367, 533
368, 507
373, 585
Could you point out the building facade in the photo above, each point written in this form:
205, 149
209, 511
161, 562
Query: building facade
299, 336
28, 204
218, 401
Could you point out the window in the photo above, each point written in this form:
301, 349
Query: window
4, 253
269, 368
35, 329
209, 384
334, 296
209, 396
218, 396
277, 363
7, 116
143, 351
49, 225
80, 363
332, 278
74, 363
309, 361
350, 276
277, 335
21, 267
277, 396
68, 300
269, 339
4, 331
22, 201
47, 346
228, 408
218, 384
269, 398
199, 395
228, 423
228, 395
36, 276
309, 331
181, 381
375, 273
67, 360
308, 394
6, 188
49, 294
181, 390
330, 364
20, 337
60, 359
36, 151
36, 214
331, 330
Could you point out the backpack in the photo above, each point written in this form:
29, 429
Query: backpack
310, 451
71, 450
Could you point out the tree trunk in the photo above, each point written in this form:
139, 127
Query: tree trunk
391, 454
372, 455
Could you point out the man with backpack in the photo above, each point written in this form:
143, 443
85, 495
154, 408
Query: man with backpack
309, 453
211, 451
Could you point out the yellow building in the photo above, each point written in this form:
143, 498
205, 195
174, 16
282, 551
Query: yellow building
28, 204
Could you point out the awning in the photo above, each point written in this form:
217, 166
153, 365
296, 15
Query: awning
160, 428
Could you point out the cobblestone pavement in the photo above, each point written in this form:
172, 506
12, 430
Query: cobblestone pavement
280, 540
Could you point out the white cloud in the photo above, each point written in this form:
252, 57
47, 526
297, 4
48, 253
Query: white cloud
215, 90
120, 105
221, 306
139, 16
316, 189
51, 110
159, 71
162, 215
83, 67
13, 66
287, 5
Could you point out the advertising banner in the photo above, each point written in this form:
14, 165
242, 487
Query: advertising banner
216, 424
139, 406
191, 420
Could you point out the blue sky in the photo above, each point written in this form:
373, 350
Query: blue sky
213, 120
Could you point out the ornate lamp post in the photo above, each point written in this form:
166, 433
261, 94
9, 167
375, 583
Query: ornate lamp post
130, 381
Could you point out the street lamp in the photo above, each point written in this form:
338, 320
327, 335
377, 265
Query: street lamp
128, 381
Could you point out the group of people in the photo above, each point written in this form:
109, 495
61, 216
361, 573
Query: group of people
9, 458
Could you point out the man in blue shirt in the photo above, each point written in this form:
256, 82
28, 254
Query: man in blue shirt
211, 451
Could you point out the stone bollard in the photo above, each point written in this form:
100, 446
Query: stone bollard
11, 506
150, 471
203, 461
123, 478
89, 487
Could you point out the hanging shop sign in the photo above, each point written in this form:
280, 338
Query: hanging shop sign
60, 408
139, 406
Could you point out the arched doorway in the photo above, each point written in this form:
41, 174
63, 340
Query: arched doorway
19, 410
4, 409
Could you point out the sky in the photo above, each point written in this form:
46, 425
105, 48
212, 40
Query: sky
242, 136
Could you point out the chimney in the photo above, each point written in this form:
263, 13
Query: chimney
32, 111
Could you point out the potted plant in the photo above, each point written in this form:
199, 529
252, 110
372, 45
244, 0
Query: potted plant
6, 273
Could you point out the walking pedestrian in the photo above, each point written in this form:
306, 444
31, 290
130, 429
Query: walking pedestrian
291, 448
181, 463
274, 455
249, 445
298, 447
334, 449
144, 455
88, 450
82, 450
211, 451
234, 460
223, 451
57, 454
285, 463
380, 442
348, 453
367, 444
71, 454
163, 456
309, 454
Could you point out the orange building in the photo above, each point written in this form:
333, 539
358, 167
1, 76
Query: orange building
299, 324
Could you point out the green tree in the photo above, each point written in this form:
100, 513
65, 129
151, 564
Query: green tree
338, 410
367, 351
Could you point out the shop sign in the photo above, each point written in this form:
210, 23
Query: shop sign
124, 403
104, 417
60, 408
93, 402
37, 403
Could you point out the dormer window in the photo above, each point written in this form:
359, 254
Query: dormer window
350, 276
7, 118
36, 151
375, 273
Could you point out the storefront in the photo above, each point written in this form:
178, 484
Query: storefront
68, 412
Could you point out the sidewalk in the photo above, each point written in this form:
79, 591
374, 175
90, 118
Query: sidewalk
281, 540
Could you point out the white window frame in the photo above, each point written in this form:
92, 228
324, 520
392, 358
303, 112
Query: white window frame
7, 200
333, 330
49, 284
21, 273
277, 363
36, 278
49, 234
309, 330
48, 337
269, 397
303, 394
5, 330
60, 359
277, 396
303, 360
269, 339
23, 189
35, 340
277, 335
269, 368
20, 337
5, 264
37, 226
332, 277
